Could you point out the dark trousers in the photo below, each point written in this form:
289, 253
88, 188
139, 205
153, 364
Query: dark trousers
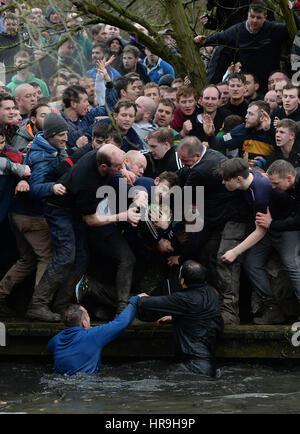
116, 248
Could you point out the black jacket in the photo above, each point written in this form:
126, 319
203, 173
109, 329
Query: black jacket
219, 203
281, 114
196, 319
291, 223
170, 162
140, 70
293, 158
82, 182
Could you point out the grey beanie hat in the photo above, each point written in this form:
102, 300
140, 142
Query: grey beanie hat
54, 124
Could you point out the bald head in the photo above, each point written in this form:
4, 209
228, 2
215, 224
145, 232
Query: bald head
26, 98
136, 162
146, 108
22, 89
109, 159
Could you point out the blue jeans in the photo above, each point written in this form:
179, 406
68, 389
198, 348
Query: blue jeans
68, 238
69, 260
287, 244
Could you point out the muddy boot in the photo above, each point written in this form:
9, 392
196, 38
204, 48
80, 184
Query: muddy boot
42, 313
66, 293
271, 315
39, 308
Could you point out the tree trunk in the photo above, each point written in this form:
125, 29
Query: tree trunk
288, 18
193, 65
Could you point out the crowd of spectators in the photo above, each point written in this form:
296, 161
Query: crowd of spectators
85, 111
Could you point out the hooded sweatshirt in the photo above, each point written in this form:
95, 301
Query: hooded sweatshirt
42, 159
76, 349
15, 82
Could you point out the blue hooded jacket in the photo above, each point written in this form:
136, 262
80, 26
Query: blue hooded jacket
42, 159
77, 349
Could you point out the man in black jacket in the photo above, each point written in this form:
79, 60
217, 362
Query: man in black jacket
224, 222
163, 155
256, 41
287, 147
196, 318
290, 106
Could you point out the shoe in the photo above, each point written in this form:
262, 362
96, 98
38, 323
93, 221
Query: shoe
271, 315
41, 313
81, 288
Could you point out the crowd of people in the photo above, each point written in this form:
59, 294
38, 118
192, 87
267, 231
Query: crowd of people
103, 112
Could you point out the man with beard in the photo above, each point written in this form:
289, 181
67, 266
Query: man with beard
24, 136
252, 137
101, 52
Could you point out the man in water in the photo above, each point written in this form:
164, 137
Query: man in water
78, 348
196, 318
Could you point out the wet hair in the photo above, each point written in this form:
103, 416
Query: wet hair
73, 315
72, 93
233, 168
162, 135
192, 272
281, 168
